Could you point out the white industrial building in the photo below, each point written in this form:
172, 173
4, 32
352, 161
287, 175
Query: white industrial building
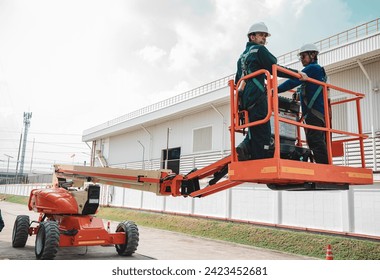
193, 126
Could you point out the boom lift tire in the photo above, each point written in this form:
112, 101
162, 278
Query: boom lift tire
20, 231
131, 238
47, 240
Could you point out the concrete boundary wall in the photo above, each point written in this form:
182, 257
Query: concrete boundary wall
356, 211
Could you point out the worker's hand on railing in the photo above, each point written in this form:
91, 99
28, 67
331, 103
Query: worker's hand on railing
304, 76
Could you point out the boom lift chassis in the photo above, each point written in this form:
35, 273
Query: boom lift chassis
67, 209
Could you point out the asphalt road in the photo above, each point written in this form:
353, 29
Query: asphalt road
154, 244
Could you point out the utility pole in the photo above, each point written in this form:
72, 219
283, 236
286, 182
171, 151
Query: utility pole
18, 157
27, 117
31, 161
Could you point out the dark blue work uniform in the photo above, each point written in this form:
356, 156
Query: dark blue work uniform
314, 115
253, 98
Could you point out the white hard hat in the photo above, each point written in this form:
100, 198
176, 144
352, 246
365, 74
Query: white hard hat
258, 27
309, 48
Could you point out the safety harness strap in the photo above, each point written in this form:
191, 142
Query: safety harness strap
245, 69
315, 96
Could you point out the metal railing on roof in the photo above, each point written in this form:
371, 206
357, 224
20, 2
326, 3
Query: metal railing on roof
340, 38
349, 35
209, 87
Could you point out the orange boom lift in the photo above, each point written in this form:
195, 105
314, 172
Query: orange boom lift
68, 208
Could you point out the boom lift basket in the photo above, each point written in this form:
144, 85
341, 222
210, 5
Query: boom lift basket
287, 174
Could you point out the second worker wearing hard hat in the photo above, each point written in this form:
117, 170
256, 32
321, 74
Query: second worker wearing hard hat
311, 98
252, 94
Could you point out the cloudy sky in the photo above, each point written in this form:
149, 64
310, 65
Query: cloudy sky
75, 63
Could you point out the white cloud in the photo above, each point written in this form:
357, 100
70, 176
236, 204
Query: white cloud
180, 87
183, 56
151, 53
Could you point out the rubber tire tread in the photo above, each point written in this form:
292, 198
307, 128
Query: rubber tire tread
20, 231
131, 238
51, 240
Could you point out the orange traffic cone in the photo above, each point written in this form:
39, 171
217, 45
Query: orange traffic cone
329, 254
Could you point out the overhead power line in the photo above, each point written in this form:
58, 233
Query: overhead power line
70, 143
44, 133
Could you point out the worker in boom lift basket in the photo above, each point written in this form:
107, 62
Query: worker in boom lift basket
311, 98
252, 92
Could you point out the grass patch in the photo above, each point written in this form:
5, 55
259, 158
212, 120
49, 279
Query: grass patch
15, 198
296, 242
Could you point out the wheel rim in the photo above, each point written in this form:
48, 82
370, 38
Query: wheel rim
40, 240
14, 233
121, 247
